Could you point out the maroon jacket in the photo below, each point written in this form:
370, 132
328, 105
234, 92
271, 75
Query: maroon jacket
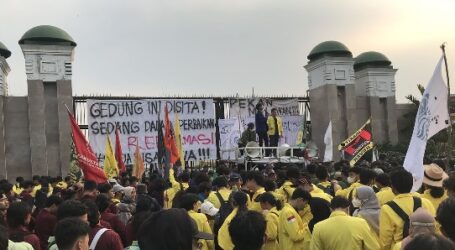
44, 226
116, 224
110, 240
22, 234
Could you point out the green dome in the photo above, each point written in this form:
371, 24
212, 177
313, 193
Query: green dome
46, 34
371, 58
4, 51
332, 48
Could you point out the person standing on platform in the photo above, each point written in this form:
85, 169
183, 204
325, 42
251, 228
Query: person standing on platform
261, 125
275, 129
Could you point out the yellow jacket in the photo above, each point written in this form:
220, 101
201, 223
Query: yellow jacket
291, 229
271, 231
224, 238
345, 192
203, 226
253, 205
271, 125
17, 189
385, 195
286, 190
341, 231
169, 193
435, 201
224, 192
391, 225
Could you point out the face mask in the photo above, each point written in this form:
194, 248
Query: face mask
265, 212
351, 179
356, 202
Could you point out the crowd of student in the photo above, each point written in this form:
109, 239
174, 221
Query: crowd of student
335, 206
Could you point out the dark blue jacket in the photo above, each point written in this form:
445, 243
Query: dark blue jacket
261, 122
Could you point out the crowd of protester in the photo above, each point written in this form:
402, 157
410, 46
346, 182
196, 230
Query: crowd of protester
320, 206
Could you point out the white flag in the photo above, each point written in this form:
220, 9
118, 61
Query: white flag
432, 117
328, 141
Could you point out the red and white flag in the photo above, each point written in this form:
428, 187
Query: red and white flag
85, 156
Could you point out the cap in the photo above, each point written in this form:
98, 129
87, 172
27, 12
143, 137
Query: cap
209, 209
200, 235
117, 188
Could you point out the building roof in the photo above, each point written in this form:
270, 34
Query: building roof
47, 34
371, 58
4, 51
333, 48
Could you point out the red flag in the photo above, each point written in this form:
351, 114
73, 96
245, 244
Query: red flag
85, 156
169, 140
119, 153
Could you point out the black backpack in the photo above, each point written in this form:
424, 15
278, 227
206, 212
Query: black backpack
405, 217
328, 190
225, 209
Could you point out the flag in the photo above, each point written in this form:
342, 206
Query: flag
163, 157
138, 163
432, 117
169, 140
110, 164
328, 141
119, 153
357, 144
86, 158
178, 141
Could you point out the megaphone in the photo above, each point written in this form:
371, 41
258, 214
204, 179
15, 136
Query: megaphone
252, 150
283, 149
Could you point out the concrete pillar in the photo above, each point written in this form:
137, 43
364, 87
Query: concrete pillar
332, 93
48, 53
4, 71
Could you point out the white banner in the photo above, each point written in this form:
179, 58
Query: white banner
230, 131
291, 126
137, 121
247, 107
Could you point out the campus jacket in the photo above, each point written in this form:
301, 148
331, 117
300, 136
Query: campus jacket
291, 229
271, 232
271, 125
435, 201
385, 195
203, 226
345, 192
253, 205
224, 192
286, 190
341, 231
391, 225
169, 193
224, 238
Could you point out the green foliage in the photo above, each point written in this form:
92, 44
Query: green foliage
74, 172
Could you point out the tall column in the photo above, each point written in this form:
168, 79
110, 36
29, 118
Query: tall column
332, 93
48, 53
4, 70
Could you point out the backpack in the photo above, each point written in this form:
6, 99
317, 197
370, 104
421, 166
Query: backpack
328, 190
225, 209
394, 206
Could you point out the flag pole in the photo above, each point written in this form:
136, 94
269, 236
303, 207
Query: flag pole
449, 130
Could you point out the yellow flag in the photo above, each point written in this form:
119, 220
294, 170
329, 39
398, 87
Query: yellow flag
138, 164
178, 140
110, 164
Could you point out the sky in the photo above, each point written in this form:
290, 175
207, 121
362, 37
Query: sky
225, 47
